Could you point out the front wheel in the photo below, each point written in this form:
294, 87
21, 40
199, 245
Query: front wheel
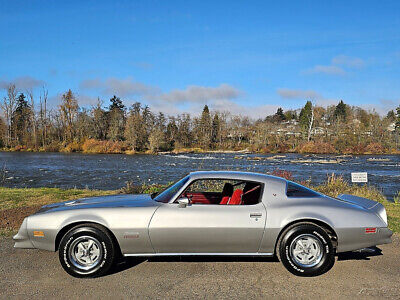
306, 250
87, 251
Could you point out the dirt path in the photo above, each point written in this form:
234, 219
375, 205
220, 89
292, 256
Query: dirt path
38, 274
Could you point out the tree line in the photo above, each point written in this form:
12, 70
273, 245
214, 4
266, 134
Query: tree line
28, 125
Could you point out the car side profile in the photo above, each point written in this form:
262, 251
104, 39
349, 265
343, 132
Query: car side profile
208, 213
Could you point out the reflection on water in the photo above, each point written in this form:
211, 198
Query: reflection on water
100, 171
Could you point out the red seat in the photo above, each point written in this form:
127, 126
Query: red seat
236, 198
224, 200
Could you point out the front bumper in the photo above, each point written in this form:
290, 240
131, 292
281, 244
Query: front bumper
22, 239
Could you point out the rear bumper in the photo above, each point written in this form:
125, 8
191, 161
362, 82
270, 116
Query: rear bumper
351, 239
22, 239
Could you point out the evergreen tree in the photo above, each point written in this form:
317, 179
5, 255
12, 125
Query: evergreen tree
340, 111
305, 115
205, 128
279, 115
215, 129
116, 117
21, 120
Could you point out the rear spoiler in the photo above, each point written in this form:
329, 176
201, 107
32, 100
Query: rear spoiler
364, 202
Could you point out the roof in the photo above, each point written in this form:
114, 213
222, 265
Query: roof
252, 176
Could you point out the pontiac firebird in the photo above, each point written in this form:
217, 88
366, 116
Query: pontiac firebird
208, 213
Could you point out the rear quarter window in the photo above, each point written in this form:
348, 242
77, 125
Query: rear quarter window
296, 190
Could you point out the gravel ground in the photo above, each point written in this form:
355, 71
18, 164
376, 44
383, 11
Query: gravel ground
38, 274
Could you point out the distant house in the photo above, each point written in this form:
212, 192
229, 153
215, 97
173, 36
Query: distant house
391, 127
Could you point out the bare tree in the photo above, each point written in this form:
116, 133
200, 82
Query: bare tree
43, 101
8, 106
33, 116
310, 123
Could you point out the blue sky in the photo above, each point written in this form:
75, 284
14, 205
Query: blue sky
247, 57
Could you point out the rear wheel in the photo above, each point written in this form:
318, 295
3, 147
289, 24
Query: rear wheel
87, 251
306, 250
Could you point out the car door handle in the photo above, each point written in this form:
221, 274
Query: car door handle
255, 215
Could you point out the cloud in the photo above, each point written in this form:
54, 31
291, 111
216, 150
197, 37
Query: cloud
201, 94
329, 70
22, 83
298, 94
384, 106
129, 87
351, 62
121, 87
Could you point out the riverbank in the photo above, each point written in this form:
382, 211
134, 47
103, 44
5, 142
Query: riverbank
110, 147
16, 204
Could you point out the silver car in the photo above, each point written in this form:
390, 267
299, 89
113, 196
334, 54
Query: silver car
208, 213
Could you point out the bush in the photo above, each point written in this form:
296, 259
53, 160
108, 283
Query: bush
96, 146
374, 148
131, 188
316, 147
282, 173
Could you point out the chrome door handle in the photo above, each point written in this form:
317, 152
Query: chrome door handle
255, 215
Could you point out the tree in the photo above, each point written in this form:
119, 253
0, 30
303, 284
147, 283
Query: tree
116, 119
279, 116
43, 115
68, 112
185, 135
33, 118
397, 125
341, 111
205, 128
21, 121
215, 133
156, 140
135, 130
172, 132
306, 119
100, 121
391, 116
8, 107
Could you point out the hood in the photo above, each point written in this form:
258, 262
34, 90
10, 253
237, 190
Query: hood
363, 202
102, 201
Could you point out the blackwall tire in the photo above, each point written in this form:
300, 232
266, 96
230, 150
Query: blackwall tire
87, 251
306, 250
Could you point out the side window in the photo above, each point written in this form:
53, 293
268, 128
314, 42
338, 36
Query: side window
207, 186
297, 190
223, 192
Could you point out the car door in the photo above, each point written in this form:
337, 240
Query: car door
207, 228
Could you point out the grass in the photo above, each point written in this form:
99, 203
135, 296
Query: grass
17, 203
13, 197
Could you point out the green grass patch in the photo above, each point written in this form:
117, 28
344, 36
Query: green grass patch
13, 197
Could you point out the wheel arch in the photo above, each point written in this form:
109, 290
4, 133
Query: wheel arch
68, 227
328, 229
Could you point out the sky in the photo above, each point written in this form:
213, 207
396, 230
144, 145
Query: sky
244, 57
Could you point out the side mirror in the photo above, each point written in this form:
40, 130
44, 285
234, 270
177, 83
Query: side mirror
183, 202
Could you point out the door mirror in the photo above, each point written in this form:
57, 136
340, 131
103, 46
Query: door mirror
183, 202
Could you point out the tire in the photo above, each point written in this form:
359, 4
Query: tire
87, 251
306, 250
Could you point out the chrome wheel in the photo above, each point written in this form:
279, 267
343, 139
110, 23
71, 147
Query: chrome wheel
306, 250
85, 252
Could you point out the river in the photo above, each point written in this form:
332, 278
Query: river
112, 171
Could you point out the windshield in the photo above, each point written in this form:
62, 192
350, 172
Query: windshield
169, 192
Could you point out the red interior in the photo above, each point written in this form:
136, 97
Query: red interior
204, 197
236, 198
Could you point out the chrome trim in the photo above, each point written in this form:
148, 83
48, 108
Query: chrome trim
201, 254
